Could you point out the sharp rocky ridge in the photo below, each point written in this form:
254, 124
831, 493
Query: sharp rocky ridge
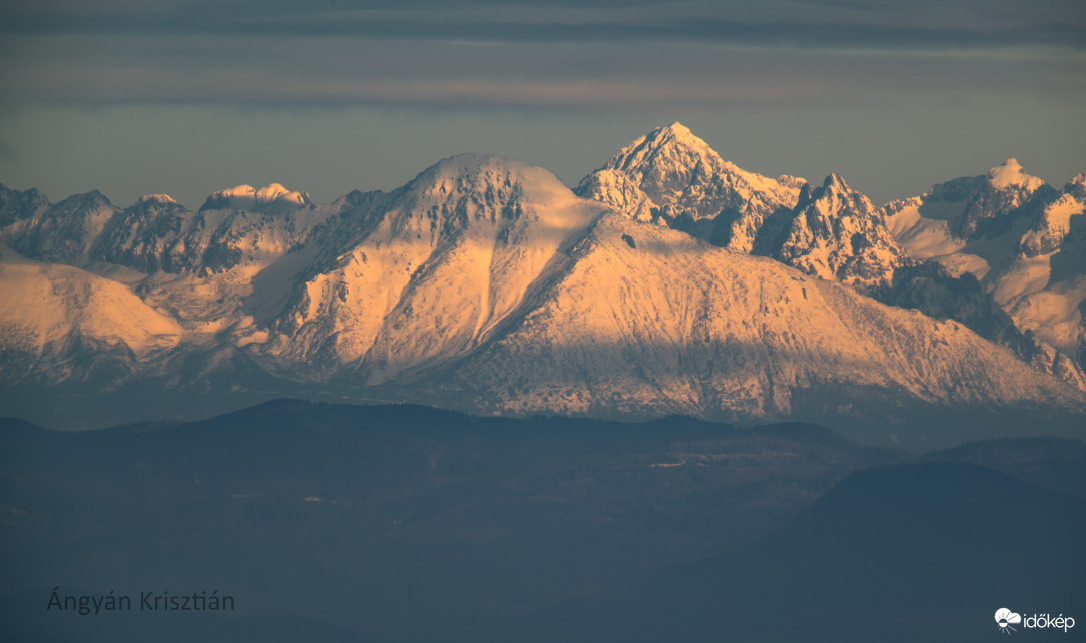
668, 281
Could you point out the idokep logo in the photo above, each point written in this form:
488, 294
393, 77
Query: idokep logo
1006, 620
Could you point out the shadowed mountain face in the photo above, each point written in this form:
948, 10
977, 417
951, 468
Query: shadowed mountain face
405, 523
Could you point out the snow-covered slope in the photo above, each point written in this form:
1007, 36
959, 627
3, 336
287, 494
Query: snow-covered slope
674, 177
51, 312
651, 321
1020, 237
964, 223
197, 268
445, 262
1044, 288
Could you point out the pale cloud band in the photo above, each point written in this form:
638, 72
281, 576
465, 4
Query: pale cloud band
309, 70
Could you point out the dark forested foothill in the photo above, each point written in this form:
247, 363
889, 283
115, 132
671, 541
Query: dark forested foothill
403, 523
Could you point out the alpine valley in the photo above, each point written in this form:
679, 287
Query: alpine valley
668, 282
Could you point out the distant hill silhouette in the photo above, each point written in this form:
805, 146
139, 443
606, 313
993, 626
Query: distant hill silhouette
403, 523
898, 553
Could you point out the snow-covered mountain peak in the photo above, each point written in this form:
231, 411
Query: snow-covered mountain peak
436, 268
95, 199
93, 195
833, 189
1076, 186
672, 177
836, 182
470, 164
678, 129
472, 185
667, 149
246, 197
836, 233
678, 134
1010, 174
485, 167
967, 210
277, 191
156, 198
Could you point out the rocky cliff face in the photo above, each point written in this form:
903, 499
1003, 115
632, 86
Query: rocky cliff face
673, 177
835, 232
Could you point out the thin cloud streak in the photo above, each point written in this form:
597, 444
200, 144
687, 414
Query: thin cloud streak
992, 24
346, 71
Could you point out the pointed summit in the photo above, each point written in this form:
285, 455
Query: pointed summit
835, 182
678, 129
836, 233
674, 178
671, 148
679, 134
1010, 174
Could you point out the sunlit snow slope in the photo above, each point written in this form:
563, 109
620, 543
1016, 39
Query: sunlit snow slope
652, 321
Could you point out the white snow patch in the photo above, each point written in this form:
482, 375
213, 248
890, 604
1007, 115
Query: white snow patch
1010, 174
920, 236
53, 302
160, 198
959, 263
1054, 315
246, 196
1026, 276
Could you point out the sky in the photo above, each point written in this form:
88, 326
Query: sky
138, 97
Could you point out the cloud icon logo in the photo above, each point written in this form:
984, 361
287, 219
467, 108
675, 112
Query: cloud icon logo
1005, 618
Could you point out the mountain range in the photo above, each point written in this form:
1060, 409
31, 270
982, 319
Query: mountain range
670, 281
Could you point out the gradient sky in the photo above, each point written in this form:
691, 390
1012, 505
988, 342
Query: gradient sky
158, 96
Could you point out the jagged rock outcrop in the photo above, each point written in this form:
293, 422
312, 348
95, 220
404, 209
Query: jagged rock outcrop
673, 177
834, 232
